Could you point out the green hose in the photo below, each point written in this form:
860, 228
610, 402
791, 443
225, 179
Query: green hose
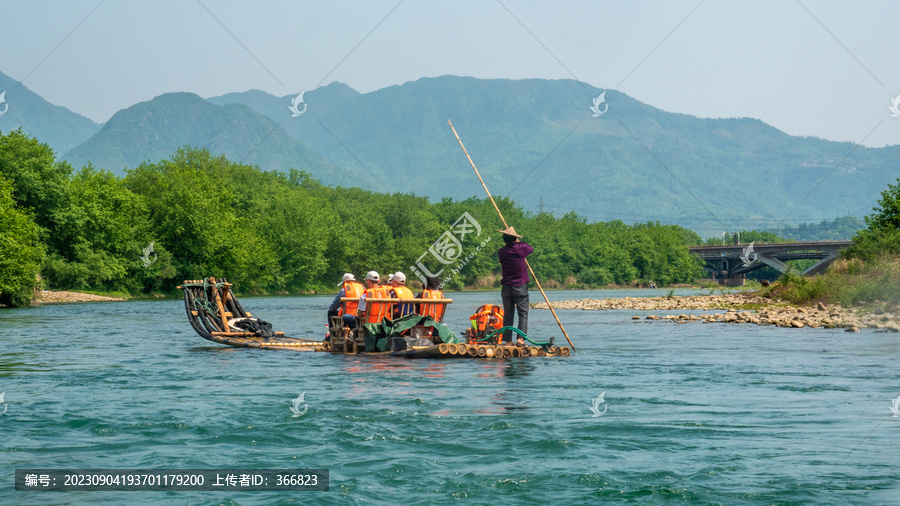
517, 331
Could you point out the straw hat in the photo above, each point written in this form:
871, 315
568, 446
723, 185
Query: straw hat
510, 231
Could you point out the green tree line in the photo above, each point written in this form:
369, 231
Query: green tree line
275, 232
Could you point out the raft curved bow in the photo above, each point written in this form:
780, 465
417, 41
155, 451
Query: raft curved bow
895, 408
5, 405
296, 405
595, 406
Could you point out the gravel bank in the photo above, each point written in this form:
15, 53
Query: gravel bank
746, 308
50, 297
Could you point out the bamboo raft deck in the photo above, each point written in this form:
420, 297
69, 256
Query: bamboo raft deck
213, 312
450, 350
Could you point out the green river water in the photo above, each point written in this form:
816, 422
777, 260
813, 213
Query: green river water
692, 413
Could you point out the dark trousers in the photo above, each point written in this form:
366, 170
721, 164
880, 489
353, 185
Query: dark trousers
515, 300
330, 314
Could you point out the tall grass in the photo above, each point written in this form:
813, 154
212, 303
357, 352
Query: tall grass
847, 281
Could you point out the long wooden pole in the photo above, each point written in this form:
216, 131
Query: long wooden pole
538, 283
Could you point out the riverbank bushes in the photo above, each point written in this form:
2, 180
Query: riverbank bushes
867, 272
194, 215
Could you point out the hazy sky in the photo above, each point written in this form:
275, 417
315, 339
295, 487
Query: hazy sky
810, 67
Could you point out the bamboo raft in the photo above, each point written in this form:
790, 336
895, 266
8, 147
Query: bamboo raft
216, 315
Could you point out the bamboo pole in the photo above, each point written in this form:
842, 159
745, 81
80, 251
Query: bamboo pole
536, 282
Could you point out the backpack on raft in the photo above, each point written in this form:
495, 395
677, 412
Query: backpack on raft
486, 320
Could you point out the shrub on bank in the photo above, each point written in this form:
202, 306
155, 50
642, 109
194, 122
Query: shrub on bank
867, 272
847, 281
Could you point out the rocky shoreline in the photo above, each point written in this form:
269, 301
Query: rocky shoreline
747, 308
51, 297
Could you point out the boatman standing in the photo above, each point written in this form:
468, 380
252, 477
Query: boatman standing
514, 285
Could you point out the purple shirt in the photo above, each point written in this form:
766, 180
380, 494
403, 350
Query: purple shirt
512, 263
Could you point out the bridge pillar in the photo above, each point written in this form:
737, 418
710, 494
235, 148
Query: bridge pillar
774, 263
822, 264
733, 280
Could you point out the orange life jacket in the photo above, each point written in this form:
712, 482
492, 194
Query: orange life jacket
488, 317
401, 292
435, 311
377, 310
352, 290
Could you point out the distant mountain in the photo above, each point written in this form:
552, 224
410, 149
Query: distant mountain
153, 130
537, 141
326, 98
57, 126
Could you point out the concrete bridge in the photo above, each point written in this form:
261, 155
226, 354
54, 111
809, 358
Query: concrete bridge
730, 263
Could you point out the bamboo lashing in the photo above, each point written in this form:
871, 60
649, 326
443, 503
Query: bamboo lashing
505, 225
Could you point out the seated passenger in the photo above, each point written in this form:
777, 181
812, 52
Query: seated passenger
399, 290
431, 291
378, 310
350, 288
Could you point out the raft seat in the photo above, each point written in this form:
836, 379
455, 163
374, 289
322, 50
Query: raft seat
343, 338
352, 340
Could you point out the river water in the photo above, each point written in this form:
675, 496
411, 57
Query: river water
692, 413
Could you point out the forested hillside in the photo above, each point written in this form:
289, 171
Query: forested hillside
152, 130
537, 140
270, 231
843, 228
